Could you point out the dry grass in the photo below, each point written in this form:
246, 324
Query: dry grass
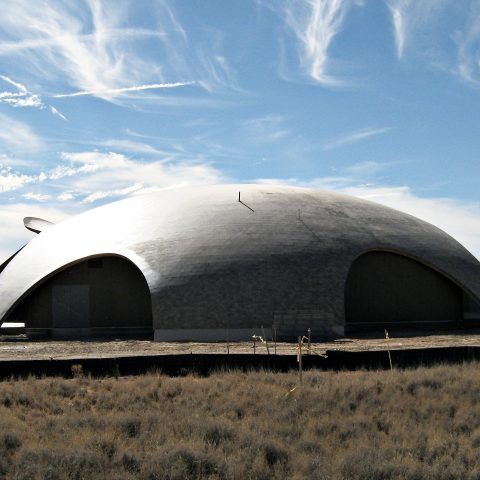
419, 424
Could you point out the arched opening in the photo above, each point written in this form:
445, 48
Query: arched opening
105, 295
389, 290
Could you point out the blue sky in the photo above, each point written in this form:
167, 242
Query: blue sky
100, 100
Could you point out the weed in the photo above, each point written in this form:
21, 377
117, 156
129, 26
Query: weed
413, 424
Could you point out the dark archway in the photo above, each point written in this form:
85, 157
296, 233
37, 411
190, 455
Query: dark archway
101, 295
387, 289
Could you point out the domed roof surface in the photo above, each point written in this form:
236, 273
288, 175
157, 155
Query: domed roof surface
237, 255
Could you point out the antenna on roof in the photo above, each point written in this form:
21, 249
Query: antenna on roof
244, 204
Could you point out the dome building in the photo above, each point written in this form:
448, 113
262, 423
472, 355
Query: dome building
211, 263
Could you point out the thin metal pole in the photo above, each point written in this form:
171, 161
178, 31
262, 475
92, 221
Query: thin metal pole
300, 359
309, 340
275, 337
266, 341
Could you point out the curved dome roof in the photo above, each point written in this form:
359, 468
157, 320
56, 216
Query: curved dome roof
175, 235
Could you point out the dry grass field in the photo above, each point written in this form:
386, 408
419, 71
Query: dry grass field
414, 424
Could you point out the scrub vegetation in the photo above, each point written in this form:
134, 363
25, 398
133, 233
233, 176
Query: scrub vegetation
419, 424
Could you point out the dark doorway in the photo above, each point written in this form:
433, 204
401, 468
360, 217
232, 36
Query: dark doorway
70, 306
102, 295
387, 289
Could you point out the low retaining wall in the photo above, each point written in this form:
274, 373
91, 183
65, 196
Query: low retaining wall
205, 364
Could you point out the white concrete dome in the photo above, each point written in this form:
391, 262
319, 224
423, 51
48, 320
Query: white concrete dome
195, 263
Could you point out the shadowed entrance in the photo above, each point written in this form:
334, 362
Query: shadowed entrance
103, 295
385, 289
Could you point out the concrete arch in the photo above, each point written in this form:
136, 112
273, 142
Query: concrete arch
390, 289
97, 295
467, 291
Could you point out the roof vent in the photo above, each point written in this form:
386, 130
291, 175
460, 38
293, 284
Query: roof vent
36, 225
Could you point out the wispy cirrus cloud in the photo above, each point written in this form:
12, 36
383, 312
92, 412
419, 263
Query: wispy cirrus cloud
399, 27
97, 51
414, 23
119, 192
468, 44
18, 136
21, 98
115, 91
354, 137
57, 44
366, 169
411, 16
266, 129
24, 98
12, 47
127, 145
315, 24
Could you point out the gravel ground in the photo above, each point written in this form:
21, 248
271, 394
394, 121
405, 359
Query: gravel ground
19, 348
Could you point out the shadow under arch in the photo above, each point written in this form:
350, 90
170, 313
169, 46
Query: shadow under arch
390, 289
98, 295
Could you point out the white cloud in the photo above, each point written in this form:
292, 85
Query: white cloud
131, 146
38, 197
315, 23
267, 129
11, 180
96, 159
12, 160
354, 137
366, 168
66, 196
121, 192
56, 112
118, 175
12, 47
91, 176
21, 88
215, 72
416, 24
405, 17
116, 91
59, 47
398, 21
95, 49
15, 180
468, 42
24, 98
411, 16
17, 135
61, 171
85, 178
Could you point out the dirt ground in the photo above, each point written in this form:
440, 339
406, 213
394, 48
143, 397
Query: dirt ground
20, 348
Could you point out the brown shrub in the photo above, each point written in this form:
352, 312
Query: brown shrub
421, 423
